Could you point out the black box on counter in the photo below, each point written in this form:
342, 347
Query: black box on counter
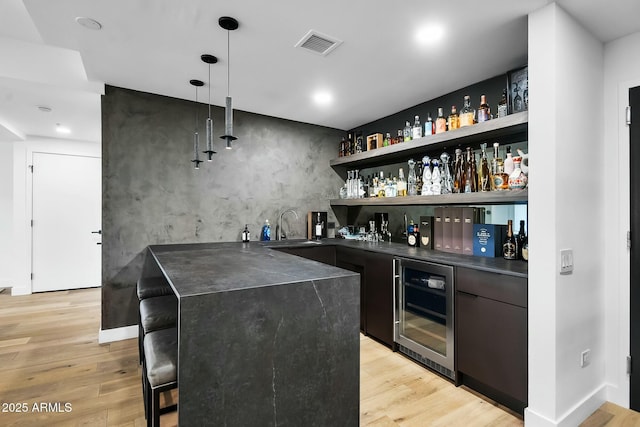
437, 229
470, 216
456, 230
487, 239
426, 232
447, 230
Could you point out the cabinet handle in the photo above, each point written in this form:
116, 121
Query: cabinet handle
467, 294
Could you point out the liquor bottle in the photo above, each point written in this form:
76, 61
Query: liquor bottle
521, 239
341, 147
411, 181
426, 177
494, 165
453, 121
429, 126
517, 100
508, 161
387, 140
381, 185
436, 185
447, 180
406, 133
246, 235
441, 122
458, 172
400, 137
419, 172
402, 184
319, 226
373, 189
500, 178
359, 142
509, 247
467, 114
517, 179
484, 175
484, 112
470, 178
502, 105
413, 235
417, 129
350, 145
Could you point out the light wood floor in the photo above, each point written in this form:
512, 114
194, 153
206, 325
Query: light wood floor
49, 355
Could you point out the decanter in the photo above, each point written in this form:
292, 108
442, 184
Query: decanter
426, 177
447, 180
411, 181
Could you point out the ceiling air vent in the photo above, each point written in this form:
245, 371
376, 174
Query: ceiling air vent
318, 42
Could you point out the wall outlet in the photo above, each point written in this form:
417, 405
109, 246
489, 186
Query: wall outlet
566, 261
585, 358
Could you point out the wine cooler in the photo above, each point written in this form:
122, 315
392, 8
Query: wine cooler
423, 315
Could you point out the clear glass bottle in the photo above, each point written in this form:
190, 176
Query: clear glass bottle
387, 140
402, 184
484, 112
411, 181
419, 172
494, 165
429, 126
468, 113
447, 179
417, 129
441, 121
381, 185
400, 137
427, 179
517, 99
453, 121
407, 132
436, 180
503, 109
484, 174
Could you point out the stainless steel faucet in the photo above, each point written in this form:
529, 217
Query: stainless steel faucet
279, 234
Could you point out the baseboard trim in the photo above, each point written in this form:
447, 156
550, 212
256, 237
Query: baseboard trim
574, 416
117, 334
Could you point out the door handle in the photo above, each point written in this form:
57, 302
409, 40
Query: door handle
98, 243
97, 232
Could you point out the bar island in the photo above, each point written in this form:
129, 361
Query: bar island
265, 338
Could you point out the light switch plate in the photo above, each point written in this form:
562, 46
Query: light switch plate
566, 261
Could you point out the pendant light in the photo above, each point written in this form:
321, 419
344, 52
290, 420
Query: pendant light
209, 59
228, 24
196, 156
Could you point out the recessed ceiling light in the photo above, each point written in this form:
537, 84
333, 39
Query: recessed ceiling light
62, 129
430, 34
322, 98
89, 23
44, 108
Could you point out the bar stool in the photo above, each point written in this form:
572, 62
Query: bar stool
151, 287
160, 370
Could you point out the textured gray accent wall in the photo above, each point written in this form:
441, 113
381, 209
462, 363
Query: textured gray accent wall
153, 195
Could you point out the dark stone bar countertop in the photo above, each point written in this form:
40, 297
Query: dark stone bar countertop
264, 338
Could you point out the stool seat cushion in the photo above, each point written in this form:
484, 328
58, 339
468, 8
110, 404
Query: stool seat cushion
149, 287
161, 356
158, 313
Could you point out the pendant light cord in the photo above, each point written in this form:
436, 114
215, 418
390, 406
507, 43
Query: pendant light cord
228, 62
196, 108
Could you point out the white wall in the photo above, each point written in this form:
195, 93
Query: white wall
621, 72
6, 212
566, 312
20, 254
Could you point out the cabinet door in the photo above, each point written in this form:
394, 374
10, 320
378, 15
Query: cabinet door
491, 339
379, 297
353, 260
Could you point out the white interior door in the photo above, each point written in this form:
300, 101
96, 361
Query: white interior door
67, 193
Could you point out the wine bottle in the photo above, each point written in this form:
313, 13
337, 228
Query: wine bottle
521, 239
509, 248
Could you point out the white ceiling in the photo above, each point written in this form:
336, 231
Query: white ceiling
155, 46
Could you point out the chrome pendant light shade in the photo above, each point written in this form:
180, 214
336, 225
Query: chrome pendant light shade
209, 59
196, 137
228, 24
